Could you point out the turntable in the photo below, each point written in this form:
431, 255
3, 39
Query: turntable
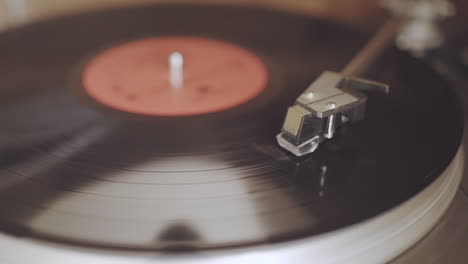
150, 135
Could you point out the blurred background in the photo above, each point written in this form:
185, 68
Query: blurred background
357, 12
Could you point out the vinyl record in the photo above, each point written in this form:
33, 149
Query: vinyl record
79, 168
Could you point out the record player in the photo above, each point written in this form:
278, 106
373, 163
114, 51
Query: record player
204, 133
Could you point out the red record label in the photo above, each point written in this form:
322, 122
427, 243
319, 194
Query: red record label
175, 76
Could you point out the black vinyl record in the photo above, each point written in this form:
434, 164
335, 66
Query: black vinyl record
75, 171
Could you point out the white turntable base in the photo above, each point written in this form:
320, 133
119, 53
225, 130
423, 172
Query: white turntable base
377, 240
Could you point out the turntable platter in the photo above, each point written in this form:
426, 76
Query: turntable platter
80, 172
